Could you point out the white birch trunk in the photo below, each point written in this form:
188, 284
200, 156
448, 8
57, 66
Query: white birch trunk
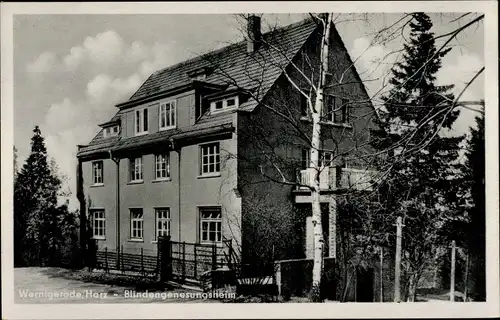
315, 147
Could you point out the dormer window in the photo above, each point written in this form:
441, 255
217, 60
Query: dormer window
200, 74
231, 102
168, 115
224, 104
219, 105
200, 77
141, 121
111, 131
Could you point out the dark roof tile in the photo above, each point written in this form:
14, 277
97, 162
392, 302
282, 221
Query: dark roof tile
231, 66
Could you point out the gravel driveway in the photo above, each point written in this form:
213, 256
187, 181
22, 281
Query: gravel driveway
50, 285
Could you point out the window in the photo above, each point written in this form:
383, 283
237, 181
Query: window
224, 104
167, 115
141, 121
337, 109
111, 131
329, 115
136, 169
136, 224
162, 222
97, 172
210, 158
305, 158
162, 166
230, 102
211, 225
325, 158
344, 112
98, 224
304, 112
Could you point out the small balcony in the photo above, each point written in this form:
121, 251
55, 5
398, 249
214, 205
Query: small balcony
331, 179
327, 179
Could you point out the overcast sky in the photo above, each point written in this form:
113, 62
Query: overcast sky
70, 70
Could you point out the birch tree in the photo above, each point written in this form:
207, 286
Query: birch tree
308, 79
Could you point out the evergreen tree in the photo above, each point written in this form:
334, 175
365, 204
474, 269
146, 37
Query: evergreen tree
418, 186
474, 174
36, 213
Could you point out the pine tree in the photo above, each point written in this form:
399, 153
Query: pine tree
425, 165
474, 174
36, 213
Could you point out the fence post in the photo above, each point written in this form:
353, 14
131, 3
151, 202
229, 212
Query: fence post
183, 261
195, 262
278, 277
214, 257
397, 281
165, 270
466, 286
158, 251
452, 276
381, 274
106, 258
118, 257
122, 269
142, 261
230, 262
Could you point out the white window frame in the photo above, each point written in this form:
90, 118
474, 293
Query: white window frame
206, 154
162, 222
95, 176
224, 104
139, 121
330, 116
98, 217
136, 170
208, 222
172, 115
344, 112
136, 224
303, 103
111, 131
323, 156
158, 166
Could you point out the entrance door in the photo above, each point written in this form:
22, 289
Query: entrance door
364, 285
310, 231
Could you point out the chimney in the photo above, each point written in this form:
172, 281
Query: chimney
254, 34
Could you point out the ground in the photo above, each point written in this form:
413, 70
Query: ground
55, 285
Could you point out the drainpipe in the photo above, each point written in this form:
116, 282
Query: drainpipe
117, 162
178, 186
83, 213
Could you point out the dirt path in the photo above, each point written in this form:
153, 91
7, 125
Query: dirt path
47, 285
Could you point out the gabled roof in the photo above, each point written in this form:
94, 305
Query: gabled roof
231, 66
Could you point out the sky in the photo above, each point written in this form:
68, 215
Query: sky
71, 70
